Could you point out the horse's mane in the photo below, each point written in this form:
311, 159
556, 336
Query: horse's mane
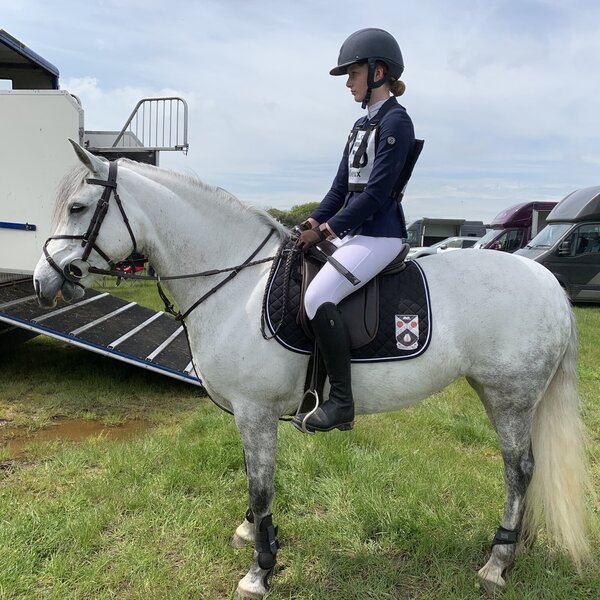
73, 180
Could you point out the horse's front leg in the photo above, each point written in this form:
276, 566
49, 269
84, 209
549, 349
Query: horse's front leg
258, 430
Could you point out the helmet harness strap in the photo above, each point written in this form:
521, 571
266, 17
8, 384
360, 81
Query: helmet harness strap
371, 83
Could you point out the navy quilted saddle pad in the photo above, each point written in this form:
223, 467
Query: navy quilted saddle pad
404, 329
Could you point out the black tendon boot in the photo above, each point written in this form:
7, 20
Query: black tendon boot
334, 344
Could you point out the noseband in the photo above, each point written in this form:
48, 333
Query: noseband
77, 269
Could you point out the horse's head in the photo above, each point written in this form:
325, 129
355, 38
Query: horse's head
92, 230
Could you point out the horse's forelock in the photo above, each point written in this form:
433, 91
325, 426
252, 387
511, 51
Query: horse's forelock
68, 186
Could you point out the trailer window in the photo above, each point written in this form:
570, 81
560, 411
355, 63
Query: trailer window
549, 235
6, 84
412, 239
585, 240
510, 241
481, 242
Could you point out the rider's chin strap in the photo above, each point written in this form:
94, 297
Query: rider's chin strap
371, 83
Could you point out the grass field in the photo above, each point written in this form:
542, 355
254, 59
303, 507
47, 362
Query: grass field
403, 507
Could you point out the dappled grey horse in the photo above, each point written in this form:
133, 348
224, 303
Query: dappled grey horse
501, 321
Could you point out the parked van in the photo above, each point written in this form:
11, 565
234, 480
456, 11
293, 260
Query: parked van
425, 232
569, 245
515, 226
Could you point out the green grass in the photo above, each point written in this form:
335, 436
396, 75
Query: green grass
142, 292
403, 507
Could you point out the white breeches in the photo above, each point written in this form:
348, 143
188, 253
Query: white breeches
363, 256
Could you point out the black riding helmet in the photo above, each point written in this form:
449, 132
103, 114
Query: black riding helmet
370, 45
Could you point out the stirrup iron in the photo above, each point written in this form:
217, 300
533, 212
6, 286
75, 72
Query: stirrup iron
311, 412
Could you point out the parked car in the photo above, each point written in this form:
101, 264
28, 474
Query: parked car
451, 243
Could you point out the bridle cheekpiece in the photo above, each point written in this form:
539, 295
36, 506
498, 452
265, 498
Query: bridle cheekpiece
79, 268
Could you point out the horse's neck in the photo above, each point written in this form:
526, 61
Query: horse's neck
194, 228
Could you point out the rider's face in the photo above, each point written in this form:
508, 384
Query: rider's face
357, 80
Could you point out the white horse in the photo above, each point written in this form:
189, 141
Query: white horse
501, 321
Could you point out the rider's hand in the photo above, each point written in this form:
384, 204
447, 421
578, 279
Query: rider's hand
309, 238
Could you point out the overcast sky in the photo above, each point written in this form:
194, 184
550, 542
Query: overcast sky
504, 92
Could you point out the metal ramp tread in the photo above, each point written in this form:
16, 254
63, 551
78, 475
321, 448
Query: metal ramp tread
104, 324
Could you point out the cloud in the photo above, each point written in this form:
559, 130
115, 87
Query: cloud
504, 92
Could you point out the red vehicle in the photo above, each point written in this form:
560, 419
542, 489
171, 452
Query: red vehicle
515, 226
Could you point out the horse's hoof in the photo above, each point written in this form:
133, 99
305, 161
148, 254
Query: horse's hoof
254, 585
238, 541
243, 535
245, 595
491, 584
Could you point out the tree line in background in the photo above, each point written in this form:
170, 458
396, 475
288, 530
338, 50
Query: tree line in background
295, 215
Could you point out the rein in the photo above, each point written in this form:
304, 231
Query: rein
77, 269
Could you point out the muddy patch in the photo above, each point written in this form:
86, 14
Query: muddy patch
73, 430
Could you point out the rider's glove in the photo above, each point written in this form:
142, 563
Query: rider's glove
309, 238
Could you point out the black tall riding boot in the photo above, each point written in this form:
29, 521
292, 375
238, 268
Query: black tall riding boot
333, 340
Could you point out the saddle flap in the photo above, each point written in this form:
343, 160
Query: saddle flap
360, 310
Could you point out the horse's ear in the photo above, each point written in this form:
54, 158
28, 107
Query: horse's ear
93, 163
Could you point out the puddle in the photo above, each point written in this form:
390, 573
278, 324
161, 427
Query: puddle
75, 430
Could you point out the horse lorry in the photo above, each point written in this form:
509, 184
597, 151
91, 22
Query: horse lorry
37, 118
515, 226
569, 245
425, 232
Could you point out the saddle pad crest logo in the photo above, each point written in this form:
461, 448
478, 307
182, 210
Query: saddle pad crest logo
407, 332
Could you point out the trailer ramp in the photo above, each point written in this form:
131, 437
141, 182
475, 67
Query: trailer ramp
100, 323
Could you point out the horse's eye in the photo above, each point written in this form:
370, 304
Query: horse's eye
77, 208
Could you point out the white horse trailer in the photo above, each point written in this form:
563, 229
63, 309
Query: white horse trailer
36, 121
35, 154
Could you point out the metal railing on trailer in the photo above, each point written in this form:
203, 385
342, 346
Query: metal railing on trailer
157, 124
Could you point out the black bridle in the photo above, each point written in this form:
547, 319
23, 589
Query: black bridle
79, 268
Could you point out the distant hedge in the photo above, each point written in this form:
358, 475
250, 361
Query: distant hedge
294, 215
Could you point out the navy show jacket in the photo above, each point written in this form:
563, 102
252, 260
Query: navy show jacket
372, 212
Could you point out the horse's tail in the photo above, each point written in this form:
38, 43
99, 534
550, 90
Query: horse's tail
557, 494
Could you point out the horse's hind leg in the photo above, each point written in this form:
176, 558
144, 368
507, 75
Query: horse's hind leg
258, 430
513, 426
